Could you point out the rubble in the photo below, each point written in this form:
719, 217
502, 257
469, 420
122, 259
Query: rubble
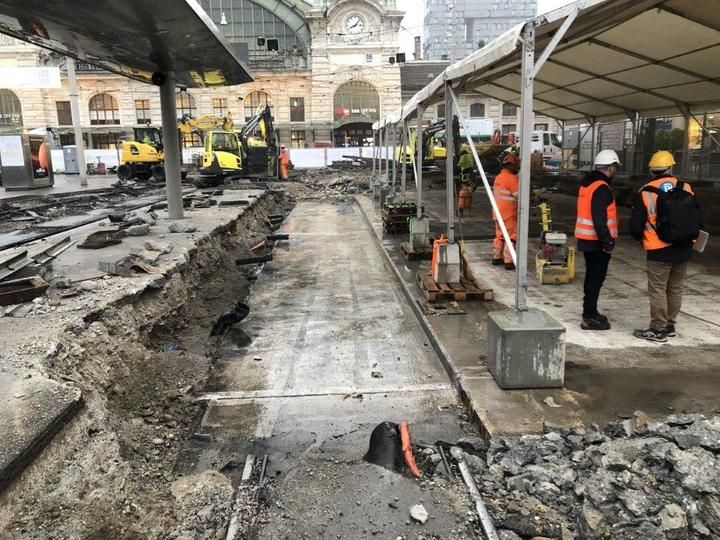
418, 513
662, 481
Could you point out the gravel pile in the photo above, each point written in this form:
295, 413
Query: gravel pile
633, 480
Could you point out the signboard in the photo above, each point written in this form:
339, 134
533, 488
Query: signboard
30, 77
11, 151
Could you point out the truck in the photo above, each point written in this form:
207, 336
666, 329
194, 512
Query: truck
549, 145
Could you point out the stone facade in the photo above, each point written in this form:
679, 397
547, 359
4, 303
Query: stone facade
338, 56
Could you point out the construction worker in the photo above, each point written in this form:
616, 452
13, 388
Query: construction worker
466, 163
505, 192
284, 162
667, 262
596, 229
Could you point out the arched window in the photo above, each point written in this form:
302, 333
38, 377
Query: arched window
10, 111
185, 104
253, 100
477, 110
356, 98
104, 110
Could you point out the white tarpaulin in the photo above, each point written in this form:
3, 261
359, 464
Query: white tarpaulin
618, 58
30, 77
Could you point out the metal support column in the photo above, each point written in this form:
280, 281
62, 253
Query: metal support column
387, 157
593, 140
526, 112
373, 153
379, 152
450, 164
403, 156
75, 113
685, 170
171, 145
419, 160
562, 148
394, 160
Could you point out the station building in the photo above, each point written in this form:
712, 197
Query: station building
323, 66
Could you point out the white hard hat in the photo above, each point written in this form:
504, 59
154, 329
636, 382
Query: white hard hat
607, 157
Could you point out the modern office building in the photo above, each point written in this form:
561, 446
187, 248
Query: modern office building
455, 28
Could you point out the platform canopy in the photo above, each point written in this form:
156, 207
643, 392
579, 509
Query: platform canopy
617, 58
134, 38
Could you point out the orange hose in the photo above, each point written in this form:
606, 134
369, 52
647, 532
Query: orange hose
407, 449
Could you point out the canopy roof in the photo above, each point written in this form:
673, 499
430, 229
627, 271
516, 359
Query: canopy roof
134, 38
618, 58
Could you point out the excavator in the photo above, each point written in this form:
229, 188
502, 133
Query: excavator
251, 151
433, 146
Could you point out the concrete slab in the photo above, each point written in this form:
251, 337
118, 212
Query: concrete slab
607, 373
34, 406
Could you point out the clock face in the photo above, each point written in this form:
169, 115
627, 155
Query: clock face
354, 24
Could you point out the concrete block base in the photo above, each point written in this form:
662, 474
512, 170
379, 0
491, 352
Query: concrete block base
419, 233
526, 349
447, 264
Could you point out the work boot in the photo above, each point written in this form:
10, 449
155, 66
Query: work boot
497, 262
650, 334
509, 266
595, 324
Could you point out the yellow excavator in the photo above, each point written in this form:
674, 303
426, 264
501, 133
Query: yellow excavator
433, 146
252, 150
144, 156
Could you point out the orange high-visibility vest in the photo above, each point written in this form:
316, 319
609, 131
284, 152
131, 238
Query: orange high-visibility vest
584, 226
505, 187
651, 240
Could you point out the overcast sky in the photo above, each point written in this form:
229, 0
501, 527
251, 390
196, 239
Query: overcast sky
412, 23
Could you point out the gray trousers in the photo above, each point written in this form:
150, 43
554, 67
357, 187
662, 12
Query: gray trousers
665, 289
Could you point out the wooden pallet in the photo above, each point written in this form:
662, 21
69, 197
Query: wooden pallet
467, 289
411, 254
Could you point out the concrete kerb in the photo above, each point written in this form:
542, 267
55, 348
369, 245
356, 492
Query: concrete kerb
442, 353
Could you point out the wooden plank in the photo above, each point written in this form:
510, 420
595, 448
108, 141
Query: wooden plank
429, 283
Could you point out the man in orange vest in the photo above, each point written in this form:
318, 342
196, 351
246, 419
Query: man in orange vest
596, 229
284, 162
666, 263
505, 192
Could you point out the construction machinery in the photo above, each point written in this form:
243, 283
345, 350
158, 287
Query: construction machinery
250, 151
555, 260
433, 146
144, 157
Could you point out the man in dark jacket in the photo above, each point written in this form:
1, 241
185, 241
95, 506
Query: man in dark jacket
667, 263
596, 230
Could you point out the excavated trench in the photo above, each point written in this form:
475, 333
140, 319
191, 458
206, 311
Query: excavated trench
113, 471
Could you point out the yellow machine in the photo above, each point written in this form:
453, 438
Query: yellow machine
252, 150
143, 157
555, 261
433, 147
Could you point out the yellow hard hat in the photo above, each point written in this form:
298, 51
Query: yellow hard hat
662, 160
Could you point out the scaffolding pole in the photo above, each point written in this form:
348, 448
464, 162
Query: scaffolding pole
450, 163
419, 160
394, 160
403, 146
526, 115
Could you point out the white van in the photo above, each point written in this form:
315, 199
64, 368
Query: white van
549, 145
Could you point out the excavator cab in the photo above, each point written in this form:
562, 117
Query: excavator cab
149, 135
142, 157
222, 155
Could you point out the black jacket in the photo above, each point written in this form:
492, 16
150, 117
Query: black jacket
602, 198
638, 217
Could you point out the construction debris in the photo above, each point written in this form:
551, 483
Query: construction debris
101, 239
22, 290
127, 266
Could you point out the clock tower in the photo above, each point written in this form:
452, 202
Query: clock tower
353, 80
